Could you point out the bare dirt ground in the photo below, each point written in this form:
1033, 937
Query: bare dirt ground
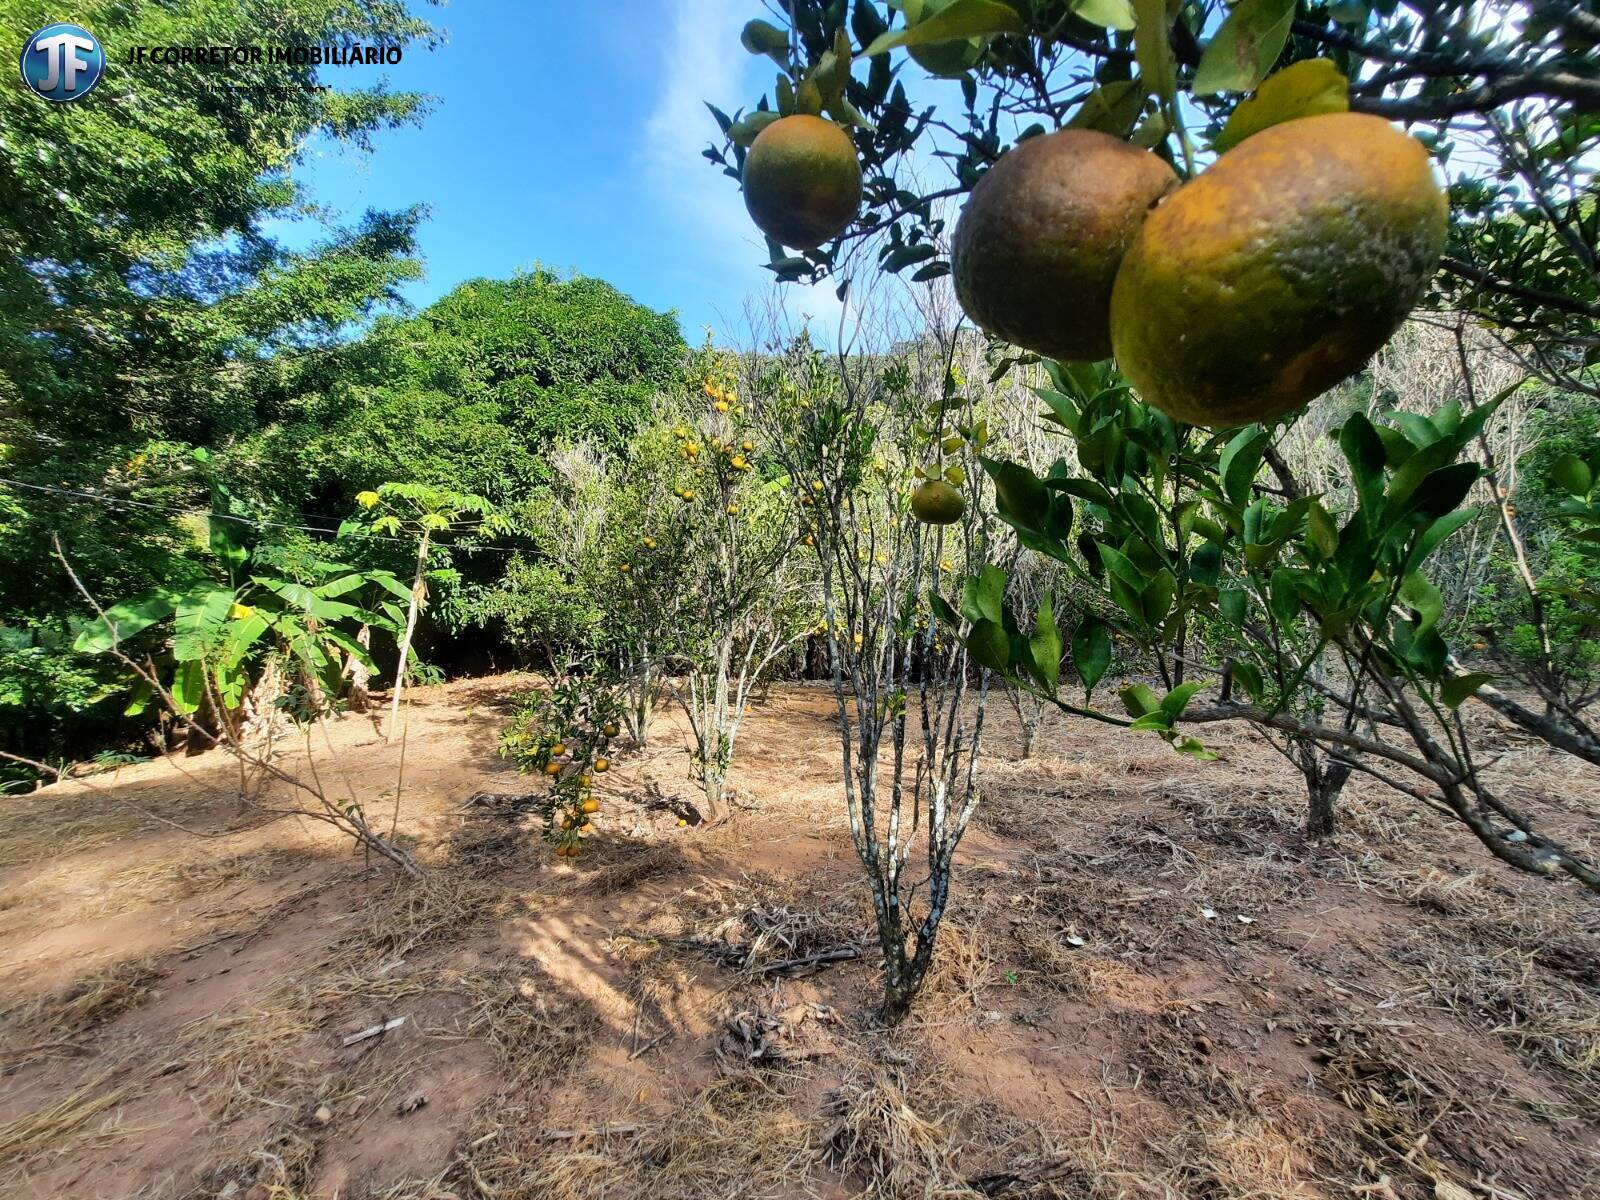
1150, 986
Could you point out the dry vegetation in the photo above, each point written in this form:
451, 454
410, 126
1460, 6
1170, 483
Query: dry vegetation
1151, 987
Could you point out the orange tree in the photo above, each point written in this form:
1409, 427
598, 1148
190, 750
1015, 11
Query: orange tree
880, 453
1226, 207
602, 593
745, 598
563, 735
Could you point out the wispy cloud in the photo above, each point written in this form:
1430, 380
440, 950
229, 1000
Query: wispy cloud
720, 250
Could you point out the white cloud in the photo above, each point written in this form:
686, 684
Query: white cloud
717, 246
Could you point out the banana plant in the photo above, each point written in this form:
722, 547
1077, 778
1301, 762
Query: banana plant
222, 631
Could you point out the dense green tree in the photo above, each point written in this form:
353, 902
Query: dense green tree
145, 309
471, 392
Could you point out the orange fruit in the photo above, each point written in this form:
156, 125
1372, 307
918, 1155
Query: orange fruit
602, 764
937, 503
1037, 247
611, 729
1279, 271
802, 181
590, 805
552, 768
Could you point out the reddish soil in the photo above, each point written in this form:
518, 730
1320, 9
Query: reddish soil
1150, 984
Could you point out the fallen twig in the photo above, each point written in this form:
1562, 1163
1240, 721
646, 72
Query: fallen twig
374, 1031
560, 1135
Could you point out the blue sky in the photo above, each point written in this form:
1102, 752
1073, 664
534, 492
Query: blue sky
570, 134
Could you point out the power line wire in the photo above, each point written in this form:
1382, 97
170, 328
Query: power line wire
111, 501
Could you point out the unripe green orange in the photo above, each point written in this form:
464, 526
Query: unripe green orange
802, 181
1279, 271
1036, 251
937, 503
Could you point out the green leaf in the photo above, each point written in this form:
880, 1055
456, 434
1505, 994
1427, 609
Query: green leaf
1109, 14
1249, 677
1321, 532
956, 21
1439, 531
200, 617
387, 581
942, 610
1458, 687
139, 698
228, 549
1194, 748
129, 617
1151, 48
763, 37
1178, 699
189, 686
989, 644
1442, 491
1304, 89
1572, 475
1045, 646
1111, 108
1138, 699
1156, 599
1239, 462
1283, 597
983, 596
1018, 493
241, 636
1245, 47
1420, 594
1232, 602
1363, 450
1152, 720
1091, 651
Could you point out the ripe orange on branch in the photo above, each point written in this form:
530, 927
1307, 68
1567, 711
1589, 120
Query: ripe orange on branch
1279, 271
802, 182
1037, 247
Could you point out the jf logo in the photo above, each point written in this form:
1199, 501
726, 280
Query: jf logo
62, 62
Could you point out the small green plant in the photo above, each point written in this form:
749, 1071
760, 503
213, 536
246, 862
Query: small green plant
426, 514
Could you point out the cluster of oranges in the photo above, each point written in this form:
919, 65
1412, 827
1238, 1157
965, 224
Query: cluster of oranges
720, 446
723, 398
572, 760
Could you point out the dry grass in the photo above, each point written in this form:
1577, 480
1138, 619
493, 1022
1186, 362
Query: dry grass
47, 1023
1056, 963
408, 915
962, 966
633, 865
250, 1058
739, 1137
880, 1139
537, 1031
69, 1123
